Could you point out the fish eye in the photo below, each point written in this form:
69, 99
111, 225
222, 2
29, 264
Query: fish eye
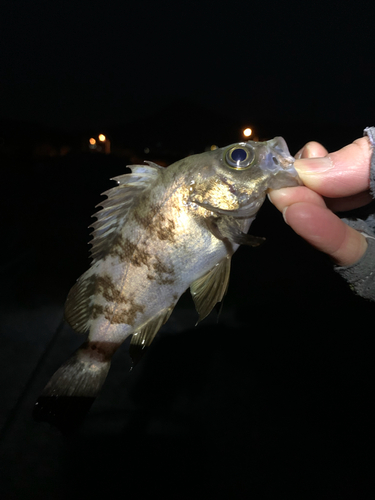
239, 157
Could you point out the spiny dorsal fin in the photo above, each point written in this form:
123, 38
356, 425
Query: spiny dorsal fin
116, 207
142, 339
210, 288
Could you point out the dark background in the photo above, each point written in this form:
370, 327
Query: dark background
277, 397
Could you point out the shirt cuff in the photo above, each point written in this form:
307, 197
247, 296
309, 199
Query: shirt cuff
370, 133
361, 274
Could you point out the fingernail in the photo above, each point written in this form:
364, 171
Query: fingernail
277, 196
313, 165
298, 155
284, 215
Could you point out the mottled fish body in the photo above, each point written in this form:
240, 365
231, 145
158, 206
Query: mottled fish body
159, 232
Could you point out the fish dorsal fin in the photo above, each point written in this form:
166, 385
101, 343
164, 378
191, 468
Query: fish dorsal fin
210, 288
142, 339
117, 205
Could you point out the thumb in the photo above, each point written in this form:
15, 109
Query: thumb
343, 173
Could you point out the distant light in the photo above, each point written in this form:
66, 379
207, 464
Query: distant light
213, 147
102, 137
92, 141
247, 132
146, 150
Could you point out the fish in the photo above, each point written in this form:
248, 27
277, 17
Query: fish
159, 232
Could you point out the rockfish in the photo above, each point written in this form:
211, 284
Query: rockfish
159, 232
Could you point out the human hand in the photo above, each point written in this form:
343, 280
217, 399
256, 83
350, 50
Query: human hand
332, 182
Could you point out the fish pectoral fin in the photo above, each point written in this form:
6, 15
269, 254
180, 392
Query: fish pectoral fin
210, 288
229, 228
143, 338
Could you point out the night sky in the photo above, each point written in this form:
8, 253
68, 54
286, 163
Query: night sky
84, 64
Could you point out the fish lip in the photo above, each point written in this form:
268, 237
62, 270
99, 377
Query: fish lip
285, 178
292, 172
283, 172
286, 162
281, 157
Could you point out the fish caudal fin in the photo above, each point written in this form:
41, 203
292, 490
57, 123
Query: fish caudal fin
69, 394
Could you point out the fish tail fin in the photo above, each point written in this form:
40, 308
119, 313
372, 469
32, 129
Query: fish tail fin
72, 389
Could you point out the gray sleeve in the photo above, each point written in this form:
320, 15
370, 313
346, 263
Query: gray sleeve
370, 132
361, 275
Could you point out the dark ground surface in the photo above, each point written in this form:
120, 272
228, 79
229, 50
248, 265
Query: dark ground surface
276, 399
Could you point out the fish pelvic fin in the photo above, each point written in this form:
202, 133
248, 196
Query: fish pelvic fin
211, 288
142, 339
69, 394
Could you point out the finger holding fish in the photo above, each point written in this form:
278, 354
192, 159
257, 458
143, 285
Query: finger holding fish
310, 213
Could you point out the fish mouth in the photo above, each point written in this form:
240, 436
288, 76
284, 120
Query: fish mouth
283, 179
285, 174
277, 164
285, 161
